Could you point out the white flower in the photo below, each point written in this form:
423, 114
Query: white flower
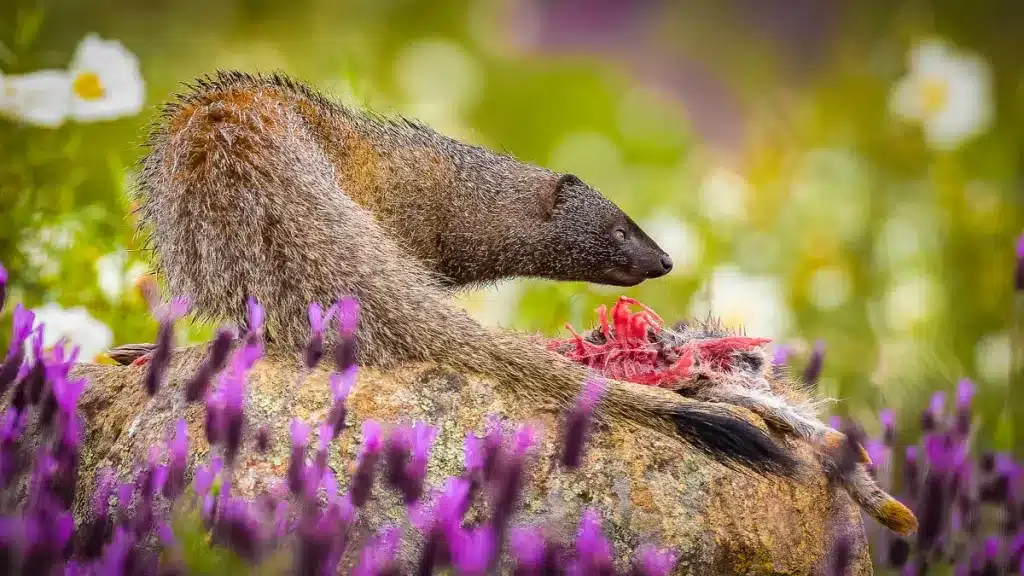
754, 303
724, 194
41, 98
829, 288
910, 302
993, 357
678, 240
76, 327
105, 81
112, 275
949, 93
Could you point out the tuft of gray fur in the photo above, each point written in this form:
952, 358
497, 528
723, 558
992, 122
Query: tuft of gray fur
245, 193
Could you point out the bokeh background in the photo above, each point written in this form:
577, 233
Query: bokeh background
820, 170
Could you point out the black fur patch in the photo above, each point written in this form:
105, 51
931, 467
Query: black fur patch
732, 441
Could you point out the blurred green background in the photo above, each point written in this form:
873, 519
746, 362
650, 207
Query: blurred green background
761, 143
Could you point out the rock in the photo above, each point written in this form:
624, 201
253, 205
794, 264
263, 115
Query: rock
649, 488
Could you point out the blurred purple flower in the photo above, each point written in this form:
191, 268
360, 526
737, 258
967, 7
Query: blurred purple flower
473, 550
362, 480
378, 556
21, 327
297, 463
167, 314
652, 561
215, 361
317, 321
812, 372
578, 422
178, 455
341, 386
528, 546
888, 419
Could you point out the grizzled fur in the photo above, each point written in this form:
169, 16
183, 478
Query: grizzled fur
467, 213
787, 407
260, 187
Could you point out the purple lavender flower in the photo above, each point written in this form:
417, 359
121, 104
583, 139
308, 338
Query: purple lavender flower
473, 551
341, 386
348, 314
345, 351
651, 561
232, 414
117, 554
593, 551
781, 356
508, 483
161, 357
441, 524
317, 321
812, 372
239, 528
99, 528
178, 454
297, 465
203, 481
840, 557
255, 328
964, 395
362, 480
888, 420
899, 552
578, 422
215, 361
528, 546
378, 557
317, 539
325, 435
396, 455
473, 451
937, 405
21, 322
415, 470
32, 374
214, 420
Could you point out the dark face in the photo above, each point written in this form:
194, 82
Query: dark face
589, 239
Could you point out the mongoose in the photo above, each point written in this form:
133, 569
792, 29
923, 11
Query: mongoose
466, 213
258, 186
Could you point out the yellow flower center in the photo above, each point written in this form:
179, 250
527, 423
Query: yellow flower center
934, 95
87, 86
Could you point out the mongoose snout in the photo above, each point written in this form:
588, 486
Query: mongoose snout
641, 258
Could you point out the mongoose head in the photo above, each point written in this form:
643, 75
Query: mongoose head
589, 239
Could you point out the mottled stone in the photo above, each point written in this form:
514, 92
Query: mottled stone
649, 488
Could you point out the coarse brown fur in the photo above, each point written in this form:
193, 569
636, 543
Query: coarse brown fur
788, 407
245, 192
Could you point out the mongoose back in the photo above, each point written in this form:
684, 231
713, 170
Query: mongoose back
469, 214
245, 192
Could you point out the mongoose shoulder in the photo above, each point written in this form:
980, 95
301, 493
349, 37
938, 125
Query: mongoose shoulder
467, 213
243, 193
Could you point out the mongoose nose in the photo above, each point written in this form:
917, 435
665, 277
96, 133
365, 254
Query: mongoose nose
666, 264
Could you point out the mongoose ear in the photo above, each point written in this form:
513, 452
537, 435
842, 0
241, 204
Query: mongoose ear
559, 194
